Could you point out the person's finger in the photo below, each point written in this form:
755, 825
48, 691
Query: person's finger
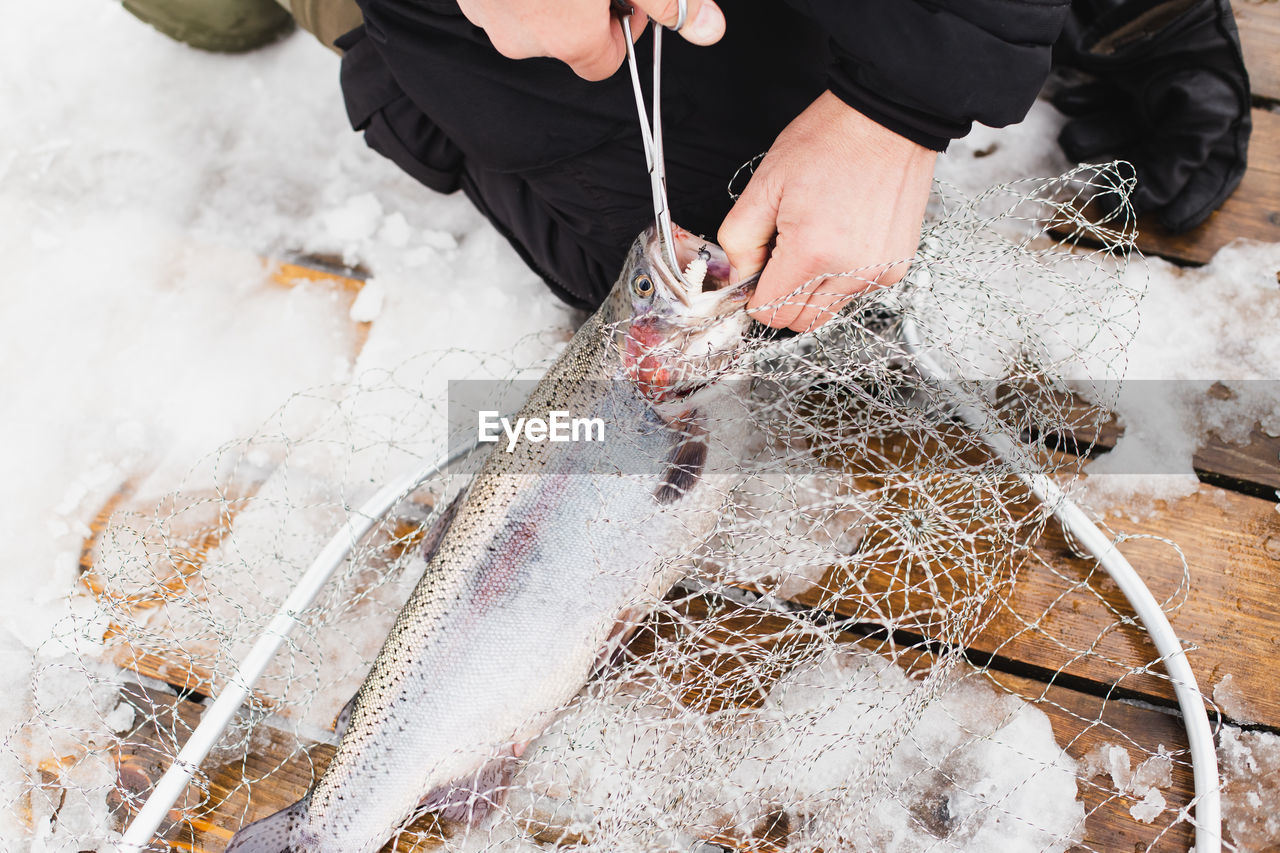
597, 54
783, 291
746, 234
816, 289
826, 299
704, 22
822, 305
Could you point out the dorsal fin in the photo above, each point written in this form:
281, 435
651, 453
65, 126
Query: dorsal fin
435, 533
344, 716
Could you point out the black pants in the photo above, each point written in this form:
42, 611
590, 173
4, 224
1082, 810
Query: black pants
555, 162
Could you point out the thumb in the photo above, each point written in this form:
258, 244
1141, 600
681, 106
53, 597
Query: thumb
703, 20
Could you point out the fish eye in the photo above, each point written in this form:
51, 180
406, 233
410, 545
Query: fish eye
642, 286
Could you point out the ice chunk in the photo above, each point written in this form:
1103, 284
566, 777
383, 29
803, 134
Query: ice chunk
395, 231
1231, 700
368, 302
1149, 808
121, 718
1250, 767
1142, 784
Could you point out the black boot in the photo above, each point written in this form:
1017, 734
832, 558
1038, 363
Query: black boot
1171, 96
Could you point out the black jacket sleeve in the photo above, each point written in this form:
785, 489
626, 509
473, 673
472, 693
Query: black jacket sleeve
928, 69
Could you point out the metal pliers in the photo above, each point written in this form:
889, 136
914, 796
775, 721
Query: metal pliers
652, 135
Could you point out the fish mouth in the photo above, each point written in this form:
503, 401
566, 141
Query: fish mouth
691, 344
702, 284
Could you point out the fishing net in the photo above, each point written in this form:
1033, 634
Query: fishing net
840, 670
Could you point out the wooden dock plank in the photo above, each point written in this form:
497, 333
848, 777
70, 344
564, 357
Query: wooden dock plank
1252, 468
234, 786
1259, 24
1082, 723
184, 665
1252, 212
1059, 605
1064, 614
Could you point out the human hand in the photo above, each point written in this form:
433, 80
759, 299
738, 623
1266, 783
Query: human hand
836, 193
584, 34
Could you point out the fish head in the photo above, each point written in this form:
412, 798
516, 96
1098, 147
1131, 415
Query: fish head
678, 331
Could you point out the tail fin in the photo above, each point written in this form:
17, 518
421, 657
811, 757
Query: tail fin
274, 834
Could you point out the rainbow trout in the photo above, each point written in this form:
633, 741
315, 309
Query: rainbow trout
551, 552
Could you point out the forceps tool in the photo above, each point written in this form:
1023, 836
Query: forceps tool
652, 136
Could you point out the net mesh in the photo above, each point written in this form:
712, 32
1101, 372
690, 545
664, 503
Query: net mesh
834, 672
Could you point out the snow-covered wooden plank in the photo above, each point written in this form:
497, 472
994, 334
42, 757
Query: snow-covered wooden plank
234, 783
1058, 607
183, 535
1252, 468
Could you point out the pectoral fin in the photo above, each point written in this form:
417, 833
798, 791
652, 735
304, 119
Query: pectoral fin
684, 466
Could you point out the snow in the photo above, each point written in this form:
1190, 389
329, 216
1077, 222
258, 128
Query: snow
1231, 700
1200, 327
141, 186
881, 762
368, 302
1195, 327
1142, 784
1250, 766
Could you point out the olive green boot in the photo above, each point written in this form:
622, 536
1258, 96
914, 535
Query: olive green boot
224, 26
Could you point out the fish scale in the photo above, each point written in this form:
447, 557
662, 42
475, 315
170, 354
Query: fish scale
549, 548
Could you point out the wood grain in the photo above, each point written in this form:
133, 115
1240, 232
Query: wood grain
1259, 25
1064, 615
